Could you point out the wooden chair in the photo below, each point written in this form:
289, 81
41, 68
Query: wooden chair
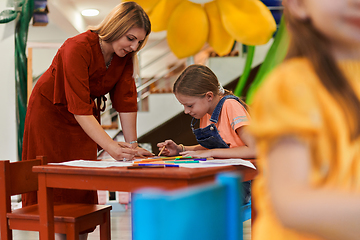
212, 212
70, 219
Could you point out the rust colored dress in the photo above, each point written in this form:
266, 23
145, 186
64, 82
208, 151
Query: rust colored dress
76, 79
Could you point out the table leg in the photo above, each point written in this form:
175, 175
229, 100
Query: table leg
46, 209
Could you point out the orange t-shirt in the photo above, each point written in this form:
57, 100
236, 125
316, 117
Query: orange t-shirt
232, 116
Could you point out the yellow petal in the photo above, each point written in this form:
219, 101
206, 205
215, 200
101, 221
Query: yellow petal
188, 29
248, 21
219, 39
147, 5
159, 16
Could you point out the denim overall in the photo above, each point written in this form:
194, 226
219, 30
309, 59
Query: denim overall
209, 136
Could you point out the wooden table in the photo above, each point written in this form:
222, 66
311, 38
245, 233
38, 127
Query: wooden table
117, 179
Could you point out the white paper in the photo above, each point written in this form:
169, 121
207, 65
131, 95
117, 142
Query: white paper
98, 164
219, 163
201, 164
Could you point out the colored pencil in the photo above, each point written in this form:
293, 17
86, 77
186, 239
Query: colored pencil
135, 167
161, 150
146, 160
156, 159
155, 162
152, 164
177, 161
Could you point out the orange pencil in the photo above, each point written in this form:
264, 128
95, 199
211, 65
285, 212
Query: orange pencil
149, 160
156, 159
161, 150
157, 162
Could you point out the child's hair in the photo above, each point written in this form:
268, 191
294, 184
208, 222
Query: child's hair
196, 80
307, 41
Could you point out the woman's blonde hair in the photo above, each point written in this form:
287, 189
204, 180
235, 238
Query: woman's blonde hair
306, 41
119, 21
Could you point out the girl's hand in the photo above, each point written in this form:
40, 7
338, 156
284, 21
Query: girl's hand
197, 154
171, 148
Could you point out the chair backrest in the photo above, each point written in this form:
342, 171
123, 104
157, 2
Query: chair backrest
17, 178
211, 212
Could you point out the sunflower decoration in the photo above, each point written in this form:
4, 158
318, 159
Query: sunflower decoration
192, 23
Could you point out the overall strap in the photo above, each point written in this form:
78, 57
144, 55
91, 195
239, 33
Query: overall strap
192, 124
215, 115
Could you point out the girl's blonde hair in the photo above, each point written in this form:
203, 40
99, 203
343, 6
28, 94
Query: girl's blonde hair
119, 21
196, 80
307, 41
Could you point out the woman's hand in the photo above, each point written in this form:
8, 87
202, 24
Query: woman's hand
121, 151
141, 152
91, 126
171, 148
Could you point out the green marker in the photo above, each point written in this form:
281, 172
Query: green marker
179, 158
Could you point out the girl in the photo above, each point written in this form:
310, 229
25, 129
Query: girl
62, 119
223, 117
305, 118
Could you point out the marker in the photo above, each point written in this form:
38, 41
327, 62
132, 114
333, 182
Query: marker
179, 161
191, 158
151, 164
135, 166
202, 159
178, 158
171, 157
159, 162
156, 159
164, 160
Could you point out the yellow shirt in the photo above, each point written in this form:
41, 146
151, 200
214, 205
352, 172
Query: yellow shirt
292, 100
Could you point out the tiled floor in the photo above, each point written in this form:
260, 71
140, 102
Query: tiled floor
120, 229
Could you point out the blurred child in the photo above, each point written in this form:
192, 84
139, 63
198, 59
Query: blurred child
305, 119
223, 119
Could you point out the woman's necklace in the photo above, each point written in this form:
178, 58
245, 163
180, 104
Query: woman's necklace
107, 64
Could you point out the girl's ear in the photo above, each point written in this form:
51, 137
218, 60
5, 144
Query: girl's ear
209, 95
297, 8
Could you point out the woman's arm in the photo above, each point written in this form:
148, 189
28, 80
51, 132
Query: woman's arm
328, 213
128, 126
93, 129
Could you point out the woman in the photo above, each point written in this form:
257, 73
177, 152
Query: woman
63, 115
